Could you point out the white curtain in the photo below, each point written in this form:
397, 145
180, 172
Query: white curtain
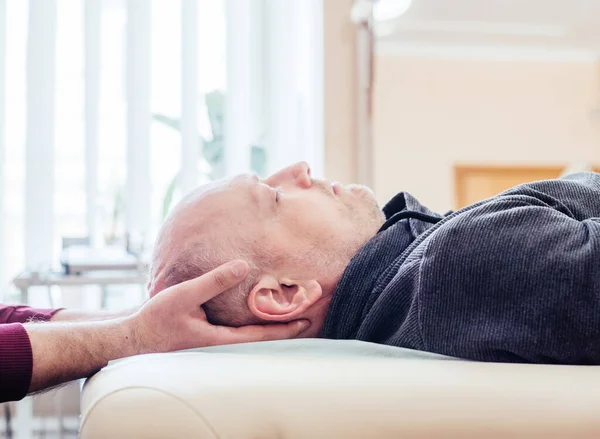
104, 102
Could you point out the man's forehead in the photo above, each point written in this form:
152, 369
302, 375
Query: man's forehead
248, 179
228, 194
214, 201
201, 192
214, 190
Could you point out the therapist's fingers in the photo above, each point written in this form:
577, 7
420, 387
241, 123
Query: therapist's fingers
200, 290
250, 333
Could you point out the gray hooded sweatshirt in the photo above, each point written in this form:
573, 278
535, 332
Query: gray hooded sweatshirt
514, 278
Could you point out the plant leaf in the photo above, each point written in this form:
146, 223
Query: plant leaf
168, 121
168, 198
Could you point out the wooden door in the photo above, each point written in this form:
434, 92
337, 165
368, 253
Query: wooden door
474, 183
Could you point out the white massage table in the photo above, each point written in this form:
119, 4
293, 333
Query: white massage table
336, 389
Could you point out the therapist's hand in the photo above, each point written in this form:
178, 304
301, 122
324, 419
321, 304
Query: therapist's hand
174, 318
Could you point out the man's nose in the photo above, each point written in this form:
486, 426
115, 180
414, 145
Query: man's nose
297, 174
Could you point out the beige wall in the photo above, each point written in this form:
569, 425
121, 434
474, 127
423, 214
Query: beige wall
339, 87
432, 113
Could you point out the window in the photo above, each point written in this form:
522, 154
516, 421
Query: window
264, 64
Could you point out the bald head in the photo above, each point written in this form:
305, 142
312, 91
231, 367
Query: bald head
194, 240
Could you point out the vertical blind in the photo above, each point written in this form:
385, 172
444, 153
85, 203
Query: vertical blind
111, 108
39, 138
91, 68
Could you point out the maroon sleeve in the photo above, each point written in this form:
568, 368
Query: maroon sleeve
16, 362
16, 358
22, 314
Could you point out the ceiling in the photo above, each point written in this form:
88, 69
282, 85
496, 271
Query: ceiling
565, 25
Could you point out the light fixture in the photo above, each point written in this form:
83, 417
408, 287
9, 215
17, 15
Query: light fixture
367, 15
385, 10
378, 10
362, 11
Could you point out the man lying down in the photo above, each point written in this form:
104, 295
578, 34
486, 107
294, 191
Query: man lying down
515, 278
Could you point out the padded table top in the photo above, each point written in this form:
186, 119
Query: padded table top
336, 389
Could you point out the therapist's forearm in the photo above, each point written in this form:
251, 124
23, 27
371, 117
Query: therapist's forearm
69, 351
74, 315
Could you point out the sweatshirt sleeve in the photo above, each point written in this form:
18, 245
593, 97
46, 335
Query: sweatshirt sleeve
16, 362
22, 314
16, 357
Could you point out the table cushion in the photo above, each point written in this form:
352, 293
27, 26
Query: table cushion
336, 389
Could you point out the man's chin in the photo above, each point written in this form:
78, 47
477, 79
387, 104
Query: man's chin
367, 199
362, 191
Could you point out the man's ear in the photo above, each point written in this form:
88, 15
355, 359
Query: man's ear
280, 300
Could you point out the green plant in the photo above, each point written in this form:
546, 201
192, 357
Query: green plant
211, 150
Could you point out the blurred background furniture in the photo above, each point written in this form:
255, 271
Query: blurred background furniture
84, 265
101, 278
